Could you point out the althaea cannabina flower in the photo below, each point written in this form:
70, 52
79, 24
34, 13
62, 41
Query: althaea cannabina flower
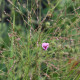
45, 46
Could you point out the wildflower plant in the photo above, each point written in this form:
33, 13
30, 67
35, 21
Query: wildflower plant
43, 43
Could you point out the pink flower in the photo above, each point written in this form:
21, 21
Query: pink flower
45, 46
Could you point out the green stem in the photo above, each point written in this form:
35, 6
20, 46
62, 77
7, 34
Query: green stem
12, 43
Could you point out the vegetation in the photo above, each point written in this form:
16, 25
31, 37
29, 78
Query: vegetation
25, 25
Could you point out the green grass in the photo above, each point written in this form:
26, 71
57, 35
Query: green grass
21, 54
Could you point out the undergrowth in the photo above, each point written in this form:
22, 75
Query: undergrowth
21, 54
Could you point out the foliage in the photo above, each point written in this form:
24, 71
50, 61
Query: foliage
31, 23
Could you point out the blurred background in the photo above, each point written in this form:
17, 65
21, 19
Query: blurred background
25, 8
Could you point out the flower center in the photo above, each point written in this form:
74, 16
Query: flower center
45, 47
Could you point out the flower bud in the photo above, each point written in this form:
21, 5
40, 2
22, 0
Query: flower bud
47, 24
67, 27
